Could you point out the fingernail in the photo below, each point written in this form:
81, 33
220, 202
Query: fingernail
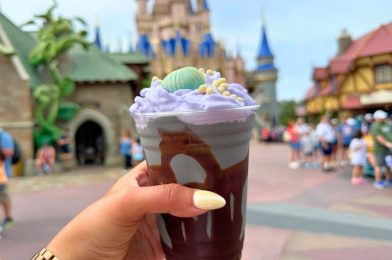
208, 200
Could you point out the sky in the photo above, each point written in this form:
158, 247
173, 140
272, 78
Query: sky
302, 33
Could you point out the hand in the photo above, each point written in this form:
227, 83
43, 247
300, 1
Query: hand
122, 225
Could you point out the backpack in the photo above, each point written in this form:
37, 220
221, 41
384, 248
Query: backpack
17, 152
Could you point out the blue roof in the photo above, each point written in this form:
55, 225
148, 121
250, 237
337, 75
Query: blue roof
205, 6
265, 67
207, 46
264, 49
190, 7
97, 40
145, 46
170, 45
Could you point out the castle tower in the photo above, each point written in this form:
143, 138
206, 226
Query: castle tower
143, 19
175, 34
265, 77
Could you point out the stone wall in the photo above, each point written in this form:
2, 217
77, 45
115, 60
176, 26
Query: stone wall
107, 105
16, 114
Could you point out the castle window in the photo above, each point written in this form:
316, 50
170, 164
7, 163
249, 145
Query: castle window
383, 73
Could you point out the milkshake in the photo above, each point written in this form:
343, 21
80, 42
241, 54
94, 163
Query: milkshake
195, 129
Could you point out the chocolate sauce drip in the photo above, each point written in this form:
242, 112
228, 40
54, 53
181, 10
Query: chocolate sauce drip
224, 240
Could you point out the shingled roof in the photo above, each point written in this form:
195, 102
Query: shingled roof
87, 65
375, 42
130, 57
94, 65
22, 43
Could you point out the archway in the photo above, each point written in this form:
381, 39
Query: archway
90, 143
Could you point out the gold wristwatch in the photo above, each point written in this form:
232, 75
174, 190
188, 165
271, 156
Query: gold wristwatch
44, 254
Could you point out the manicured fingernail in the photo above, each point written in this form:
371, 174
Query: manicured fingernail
208, 200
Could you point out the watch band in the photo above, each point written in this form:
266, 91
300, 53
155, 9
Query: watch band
44, 254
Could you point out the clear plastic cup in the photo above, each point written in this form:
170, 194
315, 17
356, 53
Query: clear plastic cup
190, 149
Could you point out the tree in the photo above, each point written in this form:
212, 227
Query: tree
287, 109
55, 36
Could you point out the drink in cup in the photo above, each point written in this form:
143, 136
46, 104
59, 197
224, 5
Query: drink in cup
197, 135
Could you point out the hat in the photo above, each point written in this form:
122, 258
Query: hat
380, 114
368, 117
351, 121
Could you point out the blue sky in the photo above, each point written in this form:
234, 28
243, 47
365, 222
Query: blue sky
302, 33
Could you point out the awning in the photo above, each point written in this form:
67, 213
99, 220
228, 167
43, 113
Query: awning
378, 97
352, 103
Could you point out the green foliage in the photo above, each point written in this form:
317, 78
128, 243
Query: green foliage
56, 36
287, 111
146, 83
67, 110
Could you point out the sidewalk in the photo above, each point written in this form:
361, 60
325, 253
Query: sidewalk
313, 215
292, 214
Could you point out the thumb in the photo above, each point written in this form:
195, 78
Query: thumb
175, 199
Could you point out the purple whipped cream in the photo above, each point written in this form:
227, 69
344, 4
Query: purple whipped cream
157, 99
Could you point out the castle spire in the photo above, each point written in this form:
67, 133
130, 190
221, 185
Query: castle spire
97, 40
190, 8
264, 49
265, 58
205, 6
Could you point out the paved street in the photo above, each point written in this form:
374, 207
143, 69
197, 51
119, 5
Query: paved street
292, 214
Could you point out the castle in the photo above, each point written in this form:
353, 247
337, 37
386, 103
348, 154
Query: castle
174, 34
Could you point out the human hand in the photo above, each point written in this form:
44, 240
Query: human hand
122, 225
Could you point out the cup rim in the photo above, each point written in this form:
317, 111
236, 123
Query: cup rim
180, 113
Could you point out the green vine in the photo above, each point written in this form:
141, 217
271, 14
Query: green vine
55, 36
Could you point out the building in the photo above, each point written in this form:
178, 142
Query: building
104, 90
264, 84
358, 79
174, 34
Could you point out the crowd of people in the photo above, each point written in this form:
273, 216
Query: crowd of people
363, 142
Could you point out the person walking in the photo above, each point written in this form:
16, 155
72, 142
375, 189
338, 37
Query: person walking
295, 146
46, 158
7, 148
65, 151
357, 150
382, 137
346, 131
126, 150
137, 152
307, 144
326, 137
6, 153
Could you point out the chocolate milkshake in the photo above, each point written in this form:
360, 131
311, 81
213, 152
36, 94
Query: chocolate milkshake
203, 148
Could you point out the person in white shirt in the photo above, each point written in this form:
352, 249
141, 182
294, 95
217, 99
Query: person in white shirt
326, 137
357, 150
307, 144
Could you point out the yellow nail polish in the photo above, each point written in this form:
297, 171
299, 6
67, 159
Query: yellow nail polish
208, 200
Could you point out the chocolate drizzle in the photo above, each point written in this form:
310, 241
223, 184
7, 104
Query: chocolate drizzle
223, 240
